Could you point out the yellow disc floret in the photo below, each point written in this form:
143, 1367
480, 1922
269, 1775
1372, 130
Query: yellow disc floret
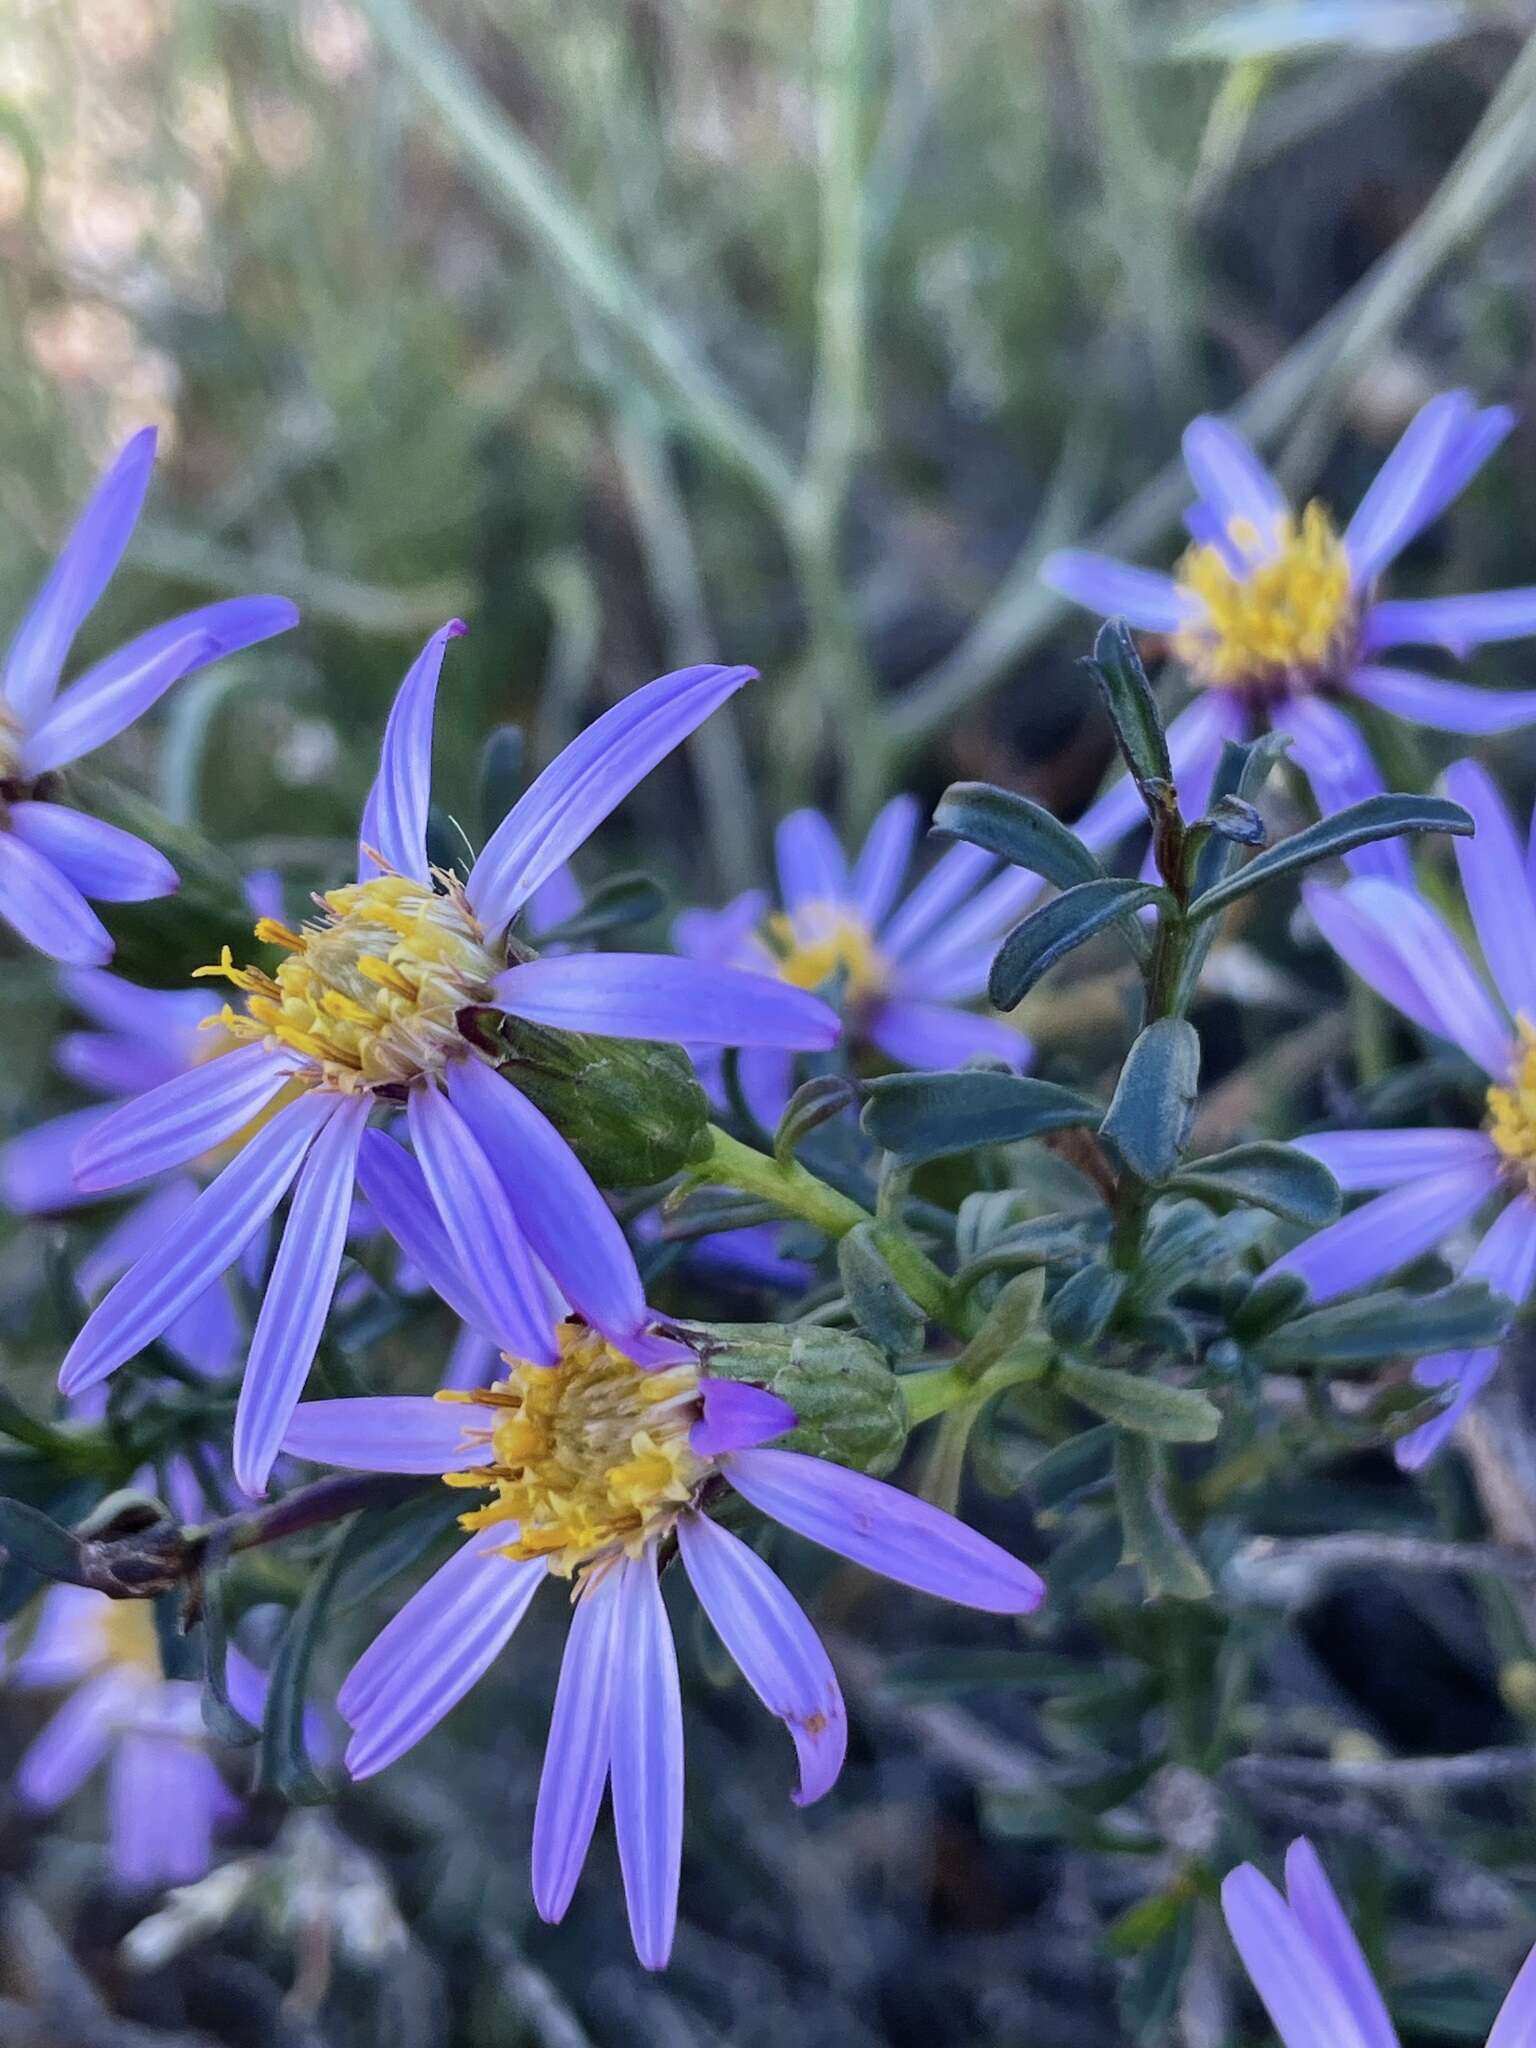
371, 990
1275, 609
126, 1633
819, 942
587, 1458
1512, 1110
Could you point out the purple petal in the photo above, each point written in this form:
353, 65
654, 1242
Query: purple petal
1115, 590
738, 1417
207, 1336
590, 778
46, 909
110, 696
138, 1231
298, 1296
1492, 865
481, 1227
1386, 1159
37, 1170
953, 963
646, 1735
109, 1064
473, 1362
659, 996
1459, 624
927, 1037
1297, 1988
889, 1532
576, 1753
181, 1119
1467, 1373
1506, 1258
101, 860
949, 881
557, 1209
386, 1433
442, 1641
70, 1746
36, 656
394, 822
1231, 480
557, 899
210, 1237
164, 1020
162, 1795
1386, 1233
1515, 2026
1354, 930
884, 859
65, 1642
773, 1646
1445, 707
810, 861
1321, 1918
1440, 449
1331, 751
396, 1191
722, 937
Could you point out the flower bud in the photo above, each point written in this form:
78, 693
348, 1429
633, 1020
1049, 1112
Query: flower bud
848, 1400
632, 1111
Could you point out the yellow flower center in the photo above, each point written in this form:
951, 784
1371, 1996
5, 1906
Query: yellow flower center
586, 1458
820, 942
1512, 1110
1276, 610
371, 990
126, 1633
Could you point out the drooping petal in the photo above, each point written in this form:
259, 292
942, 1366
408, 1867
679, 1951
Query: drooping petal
1298, 1990
1386, 1233
1361, 1160
394, 822
46, 909
480, 1225
558, 1210
738, 1417
102, 861
809, 860
181, 1119
210, 1237
885, 1530
1445, 707
1459, 624
577, 1751
110, 696
1231, 480
1492, 865
80, 573
1115, 590
928, 1037
661, 996
442, 1641
70, 1745
298, 1296
884, 859
590, 778
949, 881
37, 1169
1407, 491
1515, 2026
646, 1761
396, 1191
1321, 1918
385, 1433
773, 1646
1330, 750
162, 1795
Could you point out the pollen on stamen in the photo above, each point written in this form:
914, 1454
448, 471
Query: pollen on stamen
1276, 610
819, 942
1512, 1109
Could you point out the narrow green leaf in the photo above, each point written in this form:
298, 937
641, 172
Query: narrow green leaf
1116, 668
1082, 1307
814, 1103
1071, 1468
224, 1722
1058, 928
1266, 1176
1152, 1537
31, 1539
1376, 817
1465, 1316
930, 1116
1171, 1415
881, 1309
1021, 832
1272, 1300
1148, 1121
501, 776
283, 1764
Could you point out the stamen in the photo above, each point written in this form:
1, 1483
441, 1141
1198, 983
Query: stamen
821, 941
1512, 1109
1276, 611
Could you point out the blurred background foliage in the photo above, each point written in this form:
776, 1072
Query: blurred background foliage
642, 331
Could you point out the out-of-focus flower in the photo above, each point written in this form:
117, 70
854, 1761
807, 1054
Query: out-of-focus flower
902, 970
1436, 1179
589, 1470
366, 1010
1306, 1965
1276, 620
52, 858
164, 1792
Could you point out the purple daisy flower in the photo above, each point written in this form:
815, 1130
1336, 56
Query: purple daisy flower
51, 857
1307, 1967
906, 967
365, 1012
164, 1792
1435, 1180
1276, 619
590, 1472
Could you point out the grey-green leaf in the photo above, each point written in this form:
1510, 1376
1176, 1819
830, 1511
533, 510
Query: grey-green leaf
1021, 832
1152, 1537
1081, 1308
1170, 1415
1116, 668
1376, 817
1393, 1324
1147, 1123
1058, 928
813, 1103
931, 1116
1265, 1175
881, 1309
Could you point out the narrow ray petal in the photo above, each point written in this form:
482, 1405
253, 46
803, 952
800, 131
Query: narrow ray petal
949, 881
1331, 751
1313, 1901
1381, 1235
1362, 1160
395, 816
884, 859
809, 860
577, 1751
70, 1745
647, 1760
928, 1037
1515, 2026
108, 1064
396, 1191
1230, 478
1492, 864
1295, 1984
738, 1417
103, 862
661, 996
1460, 624
37, 1169
1444, 707
1397, 504
181, 1119
46, 909
1151, 602
162, 1795
385, 1433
